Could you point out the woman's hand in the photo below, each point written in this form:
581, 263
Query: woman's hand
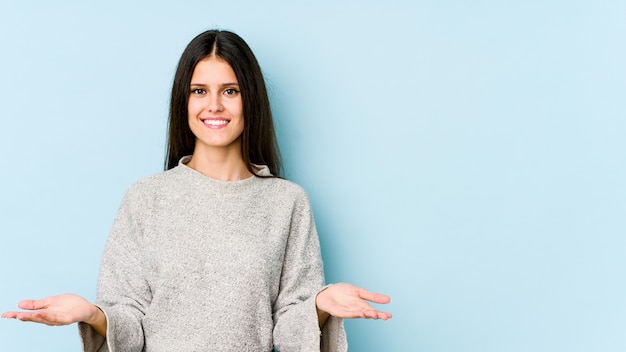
344, 300
59, 310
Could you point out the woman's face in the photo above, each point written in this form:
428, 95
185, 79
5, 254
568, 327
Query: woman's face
215, 106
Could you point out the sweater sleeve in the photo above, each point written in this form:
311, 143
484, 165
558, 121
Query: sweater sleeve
123, 292
296, 326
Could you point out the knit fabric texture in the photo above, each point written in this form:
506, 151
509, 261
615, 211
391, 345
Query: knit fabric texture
197, 264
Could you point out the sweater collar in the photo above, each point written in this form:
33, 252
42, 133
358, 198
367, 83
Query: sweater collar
263, 170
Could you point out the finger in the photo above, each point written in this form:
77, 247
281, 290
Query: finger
24, 316
355, 312
374, 314
365, 314
384, 315
32, 304
348, 313
40, 317
374, 297
371, 314
9, 315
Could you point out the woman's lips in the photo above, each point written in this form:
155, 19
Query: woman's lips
217, 122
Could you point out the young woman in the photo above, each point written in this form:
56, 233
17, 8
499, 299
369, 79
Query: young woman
218, 253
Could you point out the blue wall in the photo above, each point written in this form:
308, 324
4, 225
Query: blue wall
466, 158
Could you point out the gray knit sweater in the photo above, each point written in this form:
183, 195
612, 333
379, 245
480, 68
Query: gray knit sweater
197, 264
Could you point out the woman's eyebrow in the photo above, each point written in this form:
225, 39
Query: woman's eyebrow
222, 85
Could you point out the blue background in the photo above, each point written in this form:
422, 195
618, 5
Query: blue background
466, 158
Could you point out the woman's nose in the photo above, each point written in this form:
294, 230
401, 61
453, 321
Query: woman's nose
214, 103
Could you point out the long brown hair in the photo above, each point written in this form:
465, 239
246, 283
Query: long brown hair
259, 144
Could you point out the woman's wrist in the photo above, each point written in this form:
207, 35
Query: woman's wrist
93, 315
97, 320
322, 315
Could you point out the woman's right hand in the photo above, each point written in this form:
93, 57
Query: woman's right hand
63, 309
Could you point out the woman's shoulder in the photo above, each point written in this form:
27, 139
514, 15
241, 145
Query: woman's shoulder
279, 184
151, 184
287, 190
153, 180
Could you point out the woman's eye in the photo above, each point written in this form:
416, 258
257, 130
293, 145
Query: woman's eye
230, 91
198, 91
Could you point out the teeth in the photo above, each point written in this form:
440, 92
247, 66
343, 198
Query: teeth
215, 122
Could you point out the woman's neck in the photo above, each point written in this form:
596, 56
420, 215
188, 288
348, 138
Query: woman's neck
219, 166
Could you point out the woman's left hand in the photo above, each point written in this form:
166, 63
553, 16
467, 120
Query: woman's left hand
344, 300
